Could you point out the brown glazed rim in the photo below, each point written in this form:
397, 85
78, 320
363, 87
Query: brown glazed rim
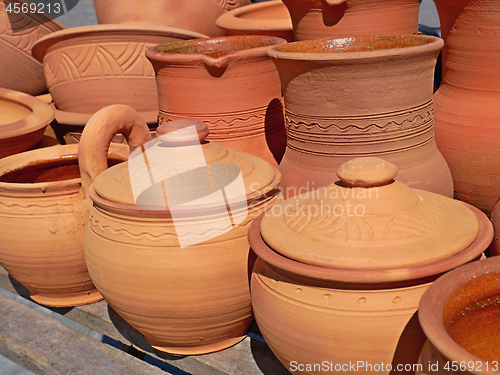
357, 47
433, 301
409, 275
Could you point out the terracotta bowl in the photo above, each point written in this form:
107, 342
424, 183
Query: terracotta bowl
308, 314
23, 119
90, 67
459, 315
266, 18
18, 69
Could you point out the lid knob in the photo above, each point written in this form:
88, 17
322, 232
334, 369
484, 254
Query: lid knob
367, 172
179, 133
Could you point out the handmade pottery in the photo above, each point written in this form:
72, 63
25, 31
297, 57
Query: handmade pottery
178, 272
90, 67
23, 119
267, 18
42, 224
315, 19
199, 16
495, 219
340, 270
360, 96
459, 315
215, 81
18, 31
466, 110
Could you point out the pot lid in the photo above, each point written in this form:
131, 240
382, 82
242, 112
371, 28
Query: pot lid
180, 168
369, 221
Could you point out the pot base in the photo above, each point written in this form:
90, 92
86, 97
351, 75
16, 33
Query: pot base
202, 349
69, 300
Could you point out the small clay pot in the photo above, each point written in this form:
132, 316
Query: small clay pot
267, 18
214, 81
90, 67
198, 16
316, 19
23, 119
459, 315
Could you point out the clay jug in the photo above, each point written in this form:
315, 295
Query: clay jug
230, 84
360, 96
315, 19
466, 105
340, 270
43, 214
166, 243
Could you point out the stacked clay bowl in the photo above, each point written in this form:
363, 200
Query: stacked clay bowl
459, 314
23, 119
341, 270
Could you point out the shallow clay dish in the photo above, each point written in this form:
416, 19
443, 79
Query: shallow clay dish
90, 67
23, 119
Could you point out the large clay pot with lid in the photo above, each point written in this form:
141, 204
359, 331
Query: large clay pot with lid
166, 244
43, 213
466, 105
340, 270
459, 315
316, 19
360, 96
230, 84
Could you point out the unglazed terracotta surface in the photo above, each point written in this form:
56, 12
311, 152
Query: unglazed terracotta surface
18, 32
199, 16
267, 18
230, 84
42, 224
386, 109
23, 119
90, 67
315, 19
185, 300
466, 109
459, 314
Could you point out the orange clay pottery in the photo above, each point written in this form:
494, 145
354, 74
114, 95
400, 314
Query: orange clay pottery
459, 313
266, 18
90, 67
23, 120
199, 15
177, 271
42, 223
230, 84
360, 96
495, 219
466, 105
18, 31
315, 19
340, 270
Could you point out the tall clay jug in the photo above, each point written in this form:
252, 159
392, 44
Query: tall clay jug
360, 96
466, 105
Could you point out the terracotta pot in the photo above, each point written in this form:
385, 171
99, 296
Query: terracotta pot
386, 110
42, 224
466, 106
338, 284
197, 16
90, 67
315, 19
23, 120
459, 314
18, 32
220, 88
266, 18
178, 272
495, 219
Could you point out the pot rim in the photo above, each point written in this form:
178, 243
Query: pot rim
231, 20
102, 32
372, 277
433, 45
431, 319
41, 114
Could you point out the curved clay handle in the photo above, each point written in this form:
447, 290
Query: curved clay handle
97, 136
334, 3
